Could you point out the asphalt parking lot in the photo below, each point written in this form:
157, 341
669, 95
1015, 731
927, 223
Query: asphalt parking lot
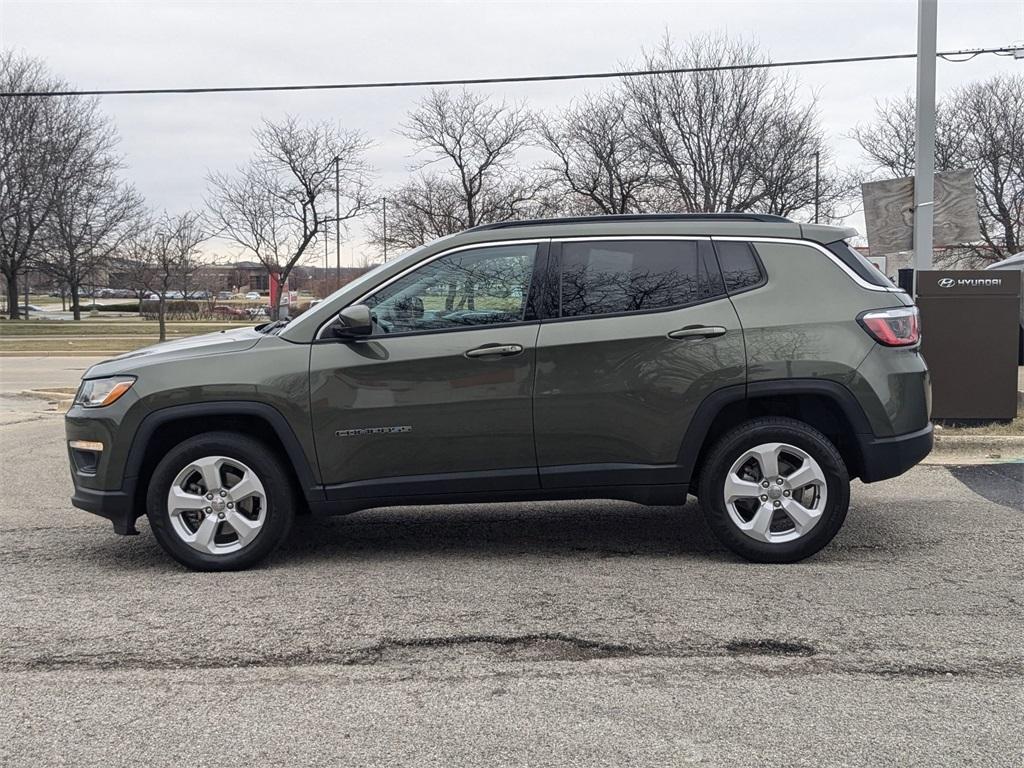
596, 633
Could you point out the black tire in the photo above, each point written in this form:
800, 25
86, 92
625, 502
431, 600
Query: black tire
280, 499
773, 429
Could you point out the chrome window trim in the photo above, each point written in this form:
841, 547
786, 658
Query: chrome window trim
413, 267
627, 238
831, 256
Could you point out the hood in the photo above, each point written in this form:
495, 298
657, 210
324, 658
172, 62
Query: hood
215, 343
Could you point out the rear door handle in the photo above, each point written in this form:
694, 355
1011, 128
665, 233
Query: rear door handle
495, 350
697, 332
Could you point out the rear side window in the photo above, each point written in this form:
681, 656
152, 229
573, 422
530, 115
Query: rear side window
607, 277
861, 266
740, 267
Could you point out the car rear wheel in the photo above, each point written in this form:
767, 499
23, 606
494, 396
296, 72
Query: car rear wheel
220, 501
774, 490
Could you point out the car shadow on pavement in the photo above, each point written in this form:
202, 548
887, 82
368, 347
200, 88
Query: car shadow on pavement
588, 529
572, 529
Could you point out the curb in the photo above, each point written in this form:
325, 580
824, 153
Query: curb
104, 353
62, 400
950, 449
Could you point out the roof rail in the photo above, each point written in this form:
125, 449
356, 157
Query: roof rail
762, 217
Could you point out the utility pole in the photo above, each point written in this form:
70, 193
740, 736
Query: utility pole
337, 217
924, 150
817, 185
384, 201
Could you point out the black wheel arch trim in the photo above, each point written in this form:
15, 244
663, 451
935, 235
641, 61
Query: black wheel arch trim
712, 405
309, 485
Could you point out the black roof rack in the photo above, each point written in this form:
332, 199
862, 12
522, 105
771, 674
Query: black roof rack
762, 217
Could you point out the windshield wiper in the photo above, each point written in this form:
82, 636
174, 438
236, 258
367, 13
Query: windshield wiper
271, 327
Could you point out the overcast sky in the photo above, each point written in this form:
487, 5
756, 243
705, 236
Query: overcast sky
171, 141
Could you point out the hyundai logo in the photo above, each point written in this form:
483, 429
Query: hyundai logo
976, 282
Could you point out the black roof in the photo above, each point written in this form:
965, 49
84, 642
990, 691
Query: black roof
762, 217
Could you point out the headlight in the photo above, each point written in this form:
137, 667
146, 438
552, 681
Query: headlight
95, 393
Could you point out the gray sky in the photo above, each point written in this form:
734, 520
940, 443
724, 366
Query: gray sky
171, 141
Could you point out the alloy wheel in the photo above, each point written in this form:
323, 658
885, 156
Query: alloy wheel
217, 505
775, 492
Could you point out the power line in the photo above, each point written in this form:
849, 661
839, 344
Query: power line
970, 53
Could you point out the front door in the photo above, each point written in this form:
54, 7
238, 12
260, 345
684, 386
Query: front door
644, 332
439, 398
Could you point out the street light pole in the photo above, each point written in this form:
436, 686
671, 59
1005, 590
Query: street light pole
817, 185
924, 149
384, 201
337, 217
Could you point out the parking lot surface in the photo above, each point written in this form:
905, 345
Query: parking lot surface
591, 633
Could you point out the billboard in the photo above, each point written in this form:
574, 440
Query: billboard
889, 212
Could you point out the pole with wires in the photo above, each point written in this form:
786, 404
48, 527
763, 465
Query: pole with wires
384, 202
337, 218
817, 185
924, 148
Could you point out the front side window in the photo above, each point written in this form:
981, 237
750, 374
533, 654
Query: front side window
478, 286
606, 277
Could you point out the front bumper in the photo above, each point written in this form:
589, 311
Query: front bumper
100, 486
117, 506
886, 457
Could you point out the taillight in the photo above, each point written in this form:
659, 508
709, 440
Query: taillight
897, 327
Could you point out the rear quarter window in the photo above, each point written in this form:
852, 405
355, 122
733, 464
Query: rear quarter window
861, 267
741, 268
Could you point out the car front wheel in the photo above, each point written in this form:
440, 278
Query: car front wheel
219, 501
774, 490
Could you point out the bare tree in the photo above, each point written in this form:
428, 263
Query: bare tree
468, 175
726, 140
41, 142
599, 164
93, 216
166, 254
980, 127
277, 205
476, 139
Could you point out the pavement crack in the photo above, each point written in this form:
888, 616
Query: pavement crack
768, 647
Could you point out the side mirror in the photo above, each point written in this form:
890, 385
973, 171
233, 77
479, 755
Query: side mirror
354, 322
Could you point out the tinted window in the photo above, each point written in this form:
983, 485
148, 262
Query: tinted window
861, 266
628, 276
481, 286
739, 266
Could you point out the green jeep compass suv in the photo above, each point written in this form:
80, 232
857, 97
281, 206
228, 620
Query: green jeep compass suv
756, 363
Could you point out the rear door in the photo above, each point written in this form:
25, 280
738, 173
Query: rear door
439, 398
643, 332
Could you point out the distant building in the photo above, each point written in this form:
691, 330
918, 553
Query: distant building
244, 276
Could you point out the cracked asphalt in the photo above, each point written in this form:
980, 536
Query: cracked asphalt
591, 634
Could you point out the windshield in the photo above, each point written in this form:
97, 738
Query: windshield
363, 280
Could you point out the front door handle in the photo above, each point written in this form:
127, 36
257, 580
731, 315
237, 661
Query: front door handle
697, 332
495, 350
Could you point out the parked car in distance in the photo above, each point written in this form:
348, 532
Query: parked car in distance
226, 311
1015, 263
753, 362
223, 295
253, 296
30, 308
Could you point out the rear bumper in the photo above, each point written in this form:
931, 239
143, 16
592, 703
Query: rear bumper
885, 457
